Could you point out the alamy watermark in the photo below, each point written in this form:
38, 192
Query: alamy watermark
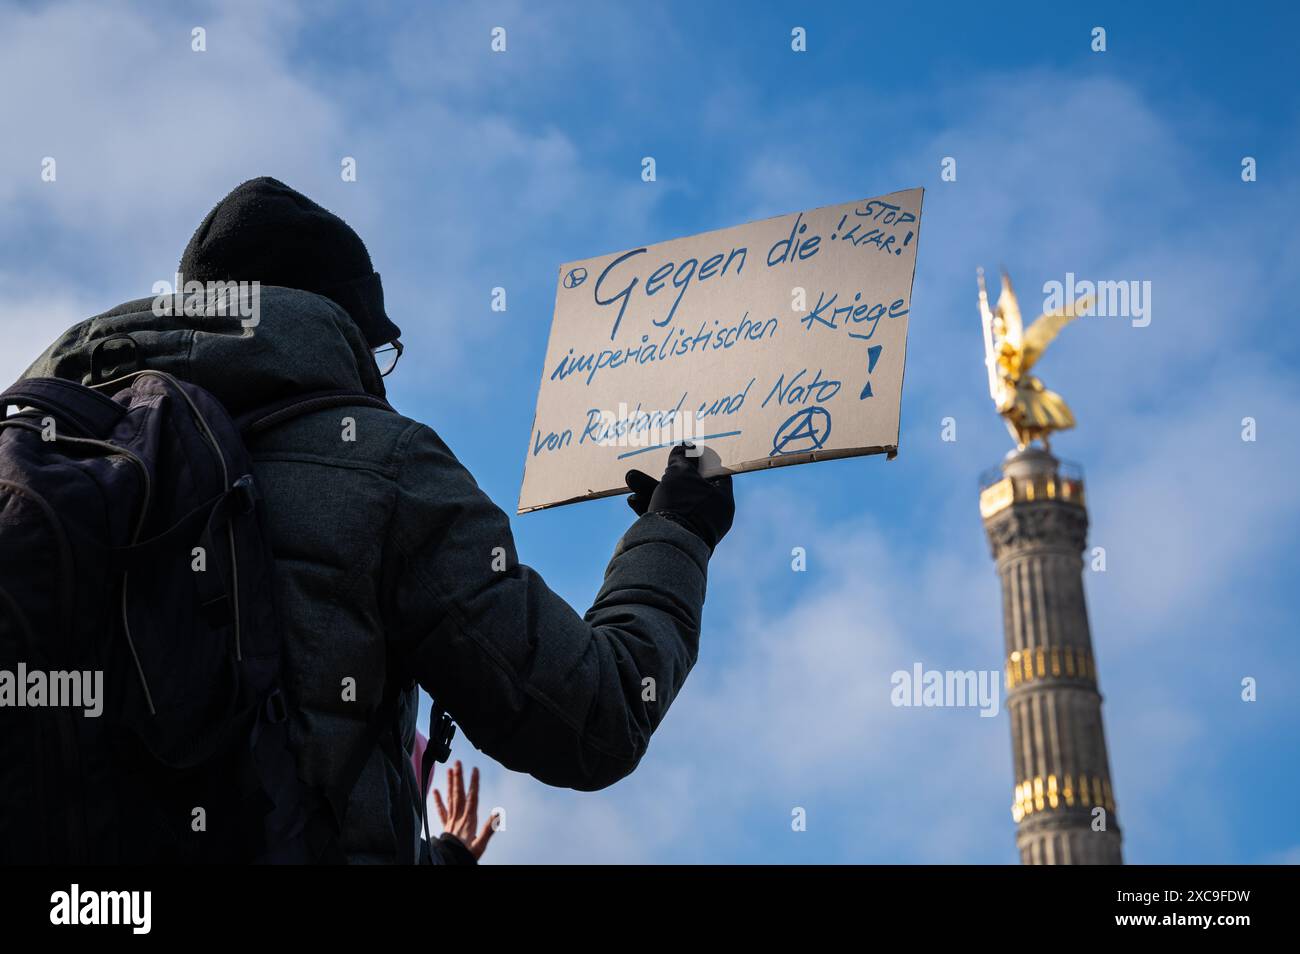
1110, 299
35, 688
194, 299
86, 907
635, 427
947, 688
647, 429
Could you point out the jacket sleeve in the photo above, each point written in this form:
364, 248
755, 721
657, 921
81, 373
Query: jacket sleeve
569, 699
448, 850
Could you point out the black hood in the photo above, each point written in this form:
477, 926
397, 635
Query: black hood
301, 343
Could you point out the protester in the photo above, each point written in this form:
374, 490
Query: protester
392, 568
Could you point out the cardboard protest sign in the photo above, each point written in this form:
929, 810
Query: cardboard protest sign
777, 342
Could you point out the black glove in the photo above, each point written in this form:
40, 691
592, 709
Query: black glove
704, 506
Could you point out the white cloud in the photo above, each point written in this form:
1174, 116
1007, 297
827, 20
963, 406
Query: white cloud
790, 706
145, 132
1290, 856
461, 190
1186, 510
31, 322
449, 190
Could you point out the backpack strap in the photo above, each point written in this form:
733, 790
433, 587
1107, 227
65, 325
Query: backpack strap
437, 749
92, 413
273, 415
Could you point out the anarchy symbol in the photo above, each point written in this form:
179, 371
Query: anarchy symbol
806, 429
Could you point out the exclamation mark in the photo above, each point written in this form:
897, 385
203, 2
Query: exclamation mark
873, 355
838, 227
906, 238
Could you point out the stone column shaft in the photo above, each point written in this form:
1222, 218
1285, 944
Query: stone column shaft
1037, 524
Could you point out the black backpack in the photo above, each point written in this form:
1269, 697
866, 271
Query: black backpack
133, 553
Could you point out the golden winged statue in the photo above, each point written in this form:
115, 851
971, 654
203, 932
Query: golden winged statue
1030, 410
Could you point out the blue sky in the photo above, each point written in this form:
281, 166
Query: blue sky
478, 170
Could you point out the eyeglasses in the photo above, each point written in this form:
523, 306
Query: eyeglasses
387, 356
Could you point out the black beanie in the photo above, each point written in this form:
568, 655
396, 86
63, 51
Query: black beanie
266, 232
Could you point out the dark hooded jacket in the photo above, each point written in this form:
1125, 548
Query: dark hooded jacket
387, 571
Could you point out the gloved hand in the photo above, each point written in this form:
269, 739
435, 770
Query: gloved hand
704, 506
